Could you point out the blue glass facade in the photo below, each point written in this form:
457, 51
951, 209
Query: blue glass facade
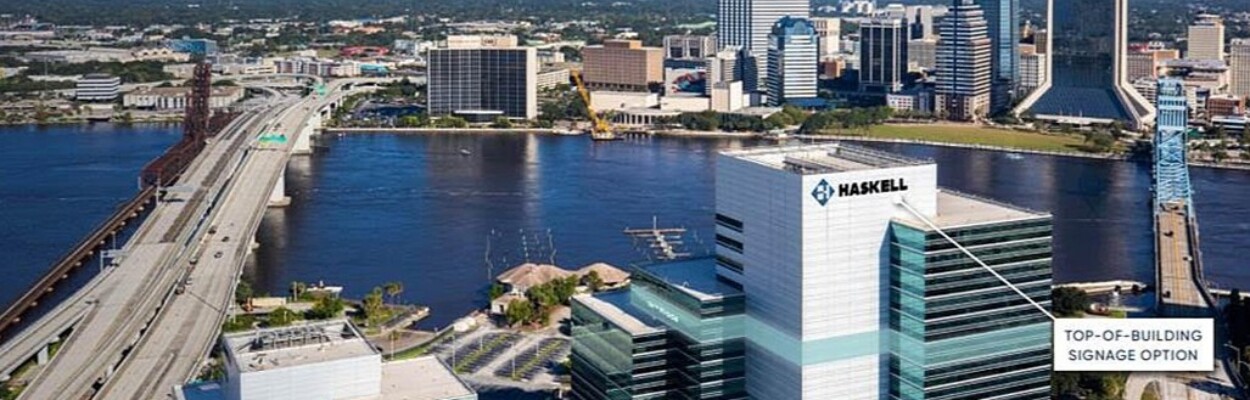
195, 47
956, 331
689, 344
1003, 18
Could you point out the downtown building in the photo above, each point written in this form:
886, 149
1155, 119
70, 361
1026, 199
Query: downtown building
481, 79
1086, 84
1206, 38
964, 72
1003, 28
882, 55
1239, 68
792, 68
825, 285
747, 24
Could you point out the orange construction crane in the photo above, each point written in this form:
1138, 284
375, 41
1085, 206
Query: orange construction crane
600, 128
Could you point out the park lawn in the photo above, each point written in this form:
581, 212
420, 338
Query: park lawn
978, 136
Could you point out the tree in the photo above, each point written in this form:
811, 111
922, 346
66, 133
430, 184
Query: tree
594, 281
451, 122
243, 292
413, 121
327, 307
394, 289
282, 316
496, 290
501, 123
298, 289
1068, 302
373, 306
519, 312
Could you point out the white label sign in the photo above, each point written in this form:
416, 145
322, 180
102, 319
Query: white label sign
1140, 344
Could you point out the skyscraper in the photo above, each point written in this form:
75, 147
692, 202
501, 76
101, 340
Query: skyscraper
1032, 69
1206, 38
473, 76
831, 281
1239, 67
1086, 81
882, 55
792, 55
1003, 18
963, 63
829, 30
747, 23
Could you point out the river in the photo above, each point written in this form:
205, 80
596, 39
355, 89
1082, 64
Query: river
414, 209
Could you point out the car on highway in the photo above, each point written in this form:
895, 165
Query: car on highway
217, 254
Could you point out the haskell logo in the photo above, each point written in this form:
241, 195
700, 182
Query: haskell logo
823, 192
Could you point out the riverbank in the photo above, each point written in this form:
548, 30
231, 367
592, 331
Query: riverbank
1009, 149
551, 131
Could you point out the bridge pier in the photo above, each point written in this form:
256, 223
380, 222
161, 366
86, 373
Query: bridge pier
278, 197
303, 138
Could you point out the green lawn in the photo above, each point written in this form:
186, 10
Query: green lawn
977, 135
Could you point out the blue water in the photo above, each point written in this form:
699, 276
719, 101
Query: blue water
58, 182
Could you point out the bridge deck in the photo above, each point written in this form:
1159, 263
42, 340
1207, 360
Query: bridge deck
1178, 290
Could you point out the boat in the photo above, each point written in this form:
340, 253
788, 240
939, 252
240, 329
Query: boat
465, 152
1014, 156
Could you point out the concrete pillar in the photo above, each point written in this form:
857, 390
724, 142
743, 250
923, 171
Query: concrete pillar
41, 358
278, 197
303, 138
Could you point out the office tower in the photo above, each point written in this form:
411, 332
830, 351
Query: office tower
1041, 39
1144, 61
1086, 79
834, 290
97, 87
483, 79
882, 55
792, 55
1206, 38
1032, 69
922, 55
689, 47
622, 65
1003, 18
830, 32
963, 64
1239, 67
747, 23
722, 67
920, 22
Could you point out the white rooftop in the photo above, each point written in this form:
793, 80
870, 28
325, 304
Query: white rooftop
273, 348
823, 158
613, 313
958, 209
423, 378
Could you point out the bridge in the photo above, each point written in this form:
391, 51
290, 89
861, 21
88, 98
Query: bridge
147, 322
1181, 290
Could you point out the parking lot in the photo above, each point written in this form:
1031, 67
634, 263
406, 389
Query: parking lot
494, 357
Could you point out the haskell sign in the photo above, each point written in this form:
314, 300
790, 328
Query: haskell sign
825, 192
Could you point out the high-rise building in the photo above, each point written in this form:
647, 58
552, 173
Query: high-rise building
722, 67
922, 55
829, 30
1206, 38
920, 22
1239, 67
792, 56
882, 55
1041, 39
1144, 60
689, 47
622, 65
1003, 18
747, 23
1086, 80
482, 80
825, 285
1032, 69
963, 63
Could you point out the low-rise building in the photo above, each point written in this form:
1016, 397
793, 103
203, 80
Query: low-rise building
174, 98
549, 78
604, 100
313, 66
98, 87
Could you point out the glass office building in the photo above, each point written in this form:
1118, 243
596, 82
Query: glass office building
500, 81
676, 333
1003, 17
956, 331
1087, 66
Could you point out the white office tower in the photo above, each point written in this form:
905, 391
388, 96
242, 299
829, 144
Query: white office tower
1239, 68
792, 58
1032, 69
830, 32
963, 64
747, 23
1206, 38
837, 277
